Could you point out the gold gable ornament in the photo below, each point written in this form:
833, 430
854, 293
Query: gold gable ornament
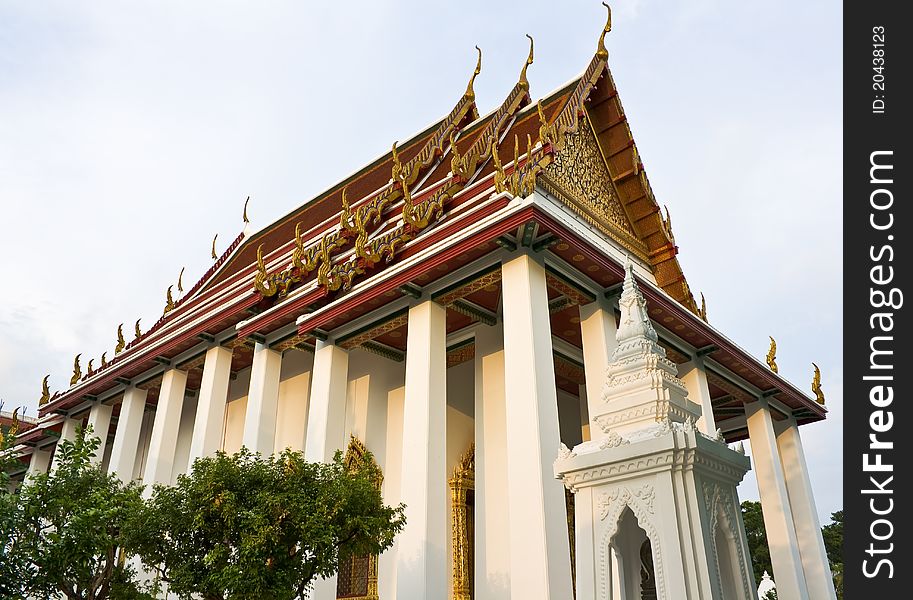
816, 385
772, 355
77, 371
121, 342
45, 392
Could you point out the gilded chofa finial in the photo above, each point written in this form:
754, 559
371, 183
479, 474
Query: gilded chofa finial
77, 371
214, 256
90, 370
703, 311
136, 330
816, 385
244, 216
121, 342
180, 277
45, 392
470, 91
667, 225
396, 171
601, 51
772, 355
14, 427
169, 300
104, 360
524, 82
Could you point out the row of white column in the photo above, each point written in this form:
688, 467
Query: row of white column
520, 522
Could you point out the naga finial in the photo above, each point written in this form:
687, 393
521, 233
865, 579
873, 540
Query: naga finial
14, 426
45, 392
470, 92
524, 82
601, 51
261, 266
667, 225
244, 216
180, 277
104, 360
121, 342
77, 371
397, 171
137, 330
816, 385
214, 256
703, 311
456, 162
90, 370
169, 300
772, 355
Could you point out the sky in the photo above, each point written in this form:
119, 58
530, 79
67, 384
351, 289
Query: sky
131, 133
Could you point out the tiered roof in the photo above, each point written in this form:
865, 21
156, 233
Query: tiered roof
575, 144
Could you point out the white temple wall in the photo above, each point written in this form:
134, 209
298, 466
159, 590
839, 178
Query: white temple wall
569, 424
185, 435
142, 449
386, 564
235, 410
460, 431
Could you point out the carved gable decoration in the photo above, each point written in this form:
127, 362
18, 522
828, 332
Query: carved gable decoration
578, 175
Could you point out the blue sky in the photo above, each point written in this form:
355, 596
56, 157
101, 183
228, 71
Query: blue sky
130, 134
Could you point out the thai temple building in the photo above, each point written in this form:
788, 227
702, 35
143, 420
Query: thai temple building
496, 311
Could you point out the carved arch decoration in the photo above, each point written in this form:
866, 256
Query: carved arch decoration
611, 507
719, 505
462, 488
357, 577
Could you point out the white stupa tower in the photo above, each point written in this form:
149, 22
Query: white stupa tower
656, 509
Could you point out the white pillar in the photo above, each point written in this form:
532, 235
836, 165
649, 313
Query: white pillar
126, 436
586, 542
492, 534
694, 375
386, 564
327, 407
778, 517
817, 568
422, 568
263, 401
100, 422
210, 418
67, 433
39, 462
538, 525
597, 333
326, 423
164, 438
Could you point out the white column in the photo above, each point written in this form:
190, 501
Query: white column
210, 418
694, 375
39, 462
538, 524
262, 401
422, 568
585, 537
327, 407
164, 438
778, 517
67, 433
126, 436
100, 422
492, 534
386, 564
817, 569
597, 333
326, 423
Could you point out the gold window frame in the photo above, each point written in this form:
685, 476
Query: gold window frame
462, 482
356, 456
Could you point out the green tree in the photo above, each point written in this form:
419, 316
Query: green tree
243, 526
833, 544
69, 527
757, 538
14, 569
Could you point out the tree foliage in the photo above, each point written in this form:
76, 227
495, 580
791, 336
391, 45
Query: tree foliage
243, 526
68, 528
14, 569
757, 538
760, 554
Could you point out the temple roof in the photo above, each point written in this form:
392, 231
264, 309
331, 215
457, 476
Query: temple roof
573, 144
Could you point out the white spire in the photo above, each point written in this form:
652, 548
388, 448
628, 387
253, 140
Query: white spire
634, 320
